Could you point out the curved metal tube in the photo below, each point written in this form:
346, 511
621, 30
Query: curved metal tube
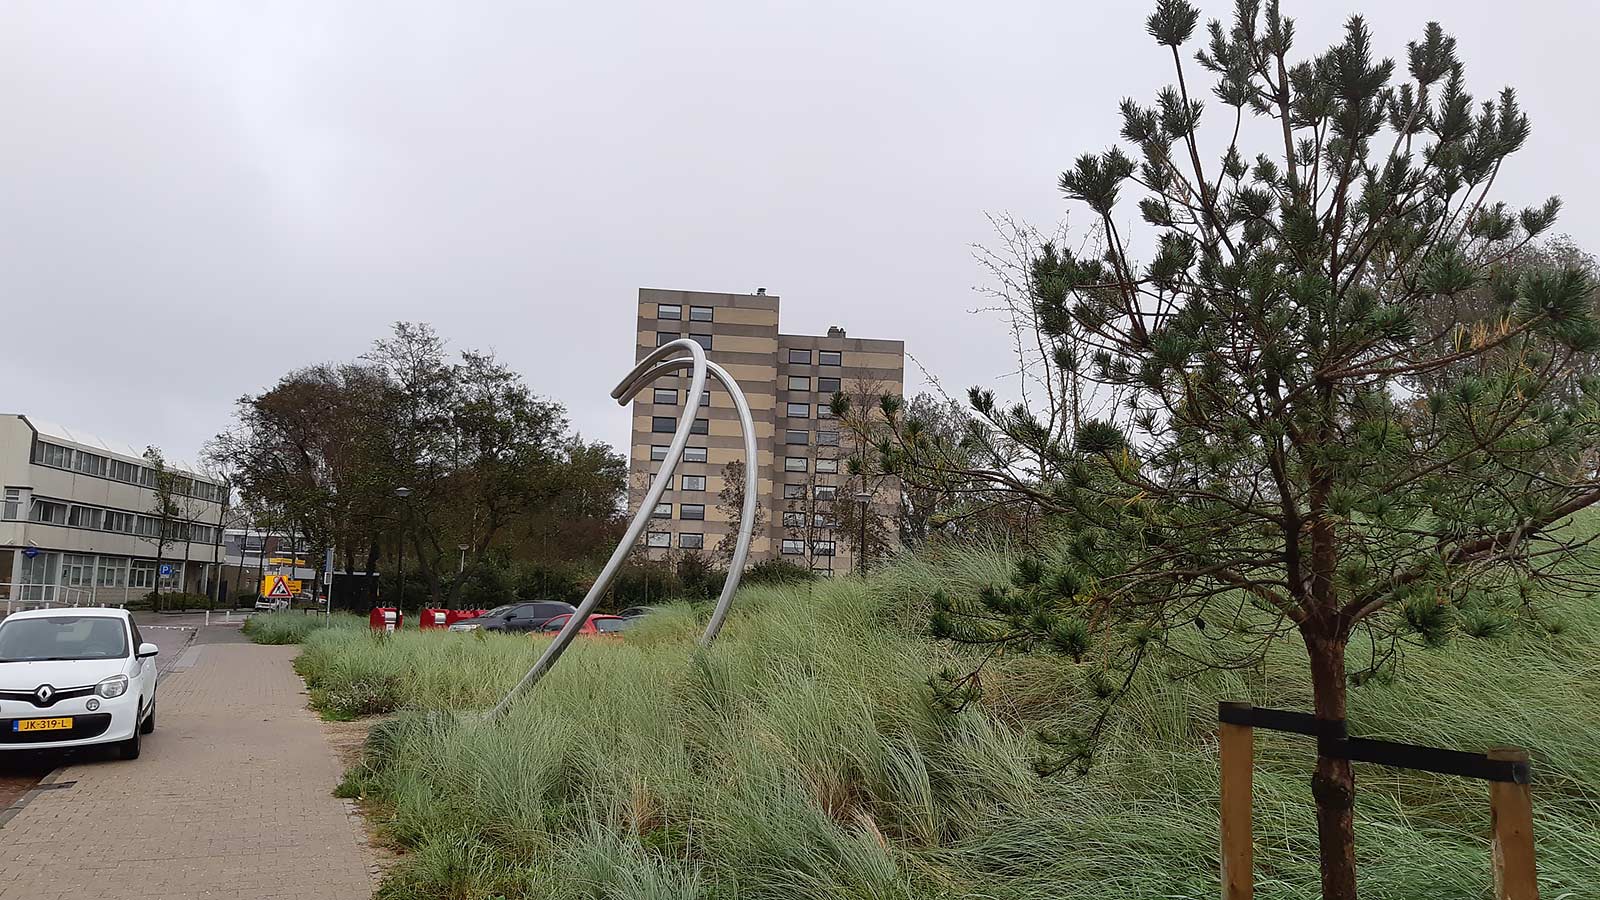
654, 365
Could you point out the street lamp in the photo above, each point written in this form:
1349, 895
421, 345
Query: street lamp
462, 567
862, 498
401, 493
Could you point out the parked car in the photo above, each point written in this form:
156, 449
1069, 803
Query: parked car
266, 605
515, 616
634, 612
596, 624
71, 678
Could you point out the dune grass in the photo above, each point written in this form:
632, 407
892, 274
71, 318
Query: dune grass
292, 627
800, 758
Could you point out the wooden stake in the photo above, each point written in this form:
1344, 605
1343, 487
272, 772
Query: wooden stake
1238, 765
1511, 815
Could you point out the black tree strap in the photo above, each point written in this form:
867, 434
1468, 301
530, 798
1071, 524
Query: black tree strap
1333, 741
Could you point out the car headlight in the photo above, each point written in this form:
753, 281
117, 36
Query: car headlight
115, 686
463, 626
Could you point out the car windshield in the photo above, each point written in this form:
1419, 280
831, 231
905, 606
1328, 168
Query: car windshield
498, 611
609, 626
555, 624
62, 637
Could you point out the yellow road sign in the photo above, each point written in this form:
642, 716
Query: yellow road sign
279, 587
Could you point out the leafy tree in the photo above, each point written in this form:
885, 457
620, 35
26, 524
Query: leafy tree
730, 500
1271, 453
164, 509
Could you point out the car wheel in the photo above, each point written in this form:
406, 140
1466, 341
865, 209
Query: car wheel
130, 747
149, 724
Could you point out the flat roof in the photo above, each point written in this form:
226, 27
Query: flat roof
56, 431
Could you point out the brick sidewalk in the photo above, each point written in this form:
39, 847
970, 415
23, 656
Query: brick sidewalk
230, 799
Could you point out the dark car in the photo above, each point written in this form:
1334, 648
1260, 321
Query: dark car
519, 616
634, 612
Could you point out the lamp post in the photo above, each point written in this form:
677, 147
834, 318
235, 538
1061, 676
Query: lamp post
862, 499
401, 493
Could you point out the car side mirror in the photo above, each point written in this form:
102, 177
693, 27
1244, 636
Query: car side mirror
147, 650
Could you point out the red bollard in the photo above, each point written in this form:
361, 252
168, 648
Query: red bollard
384, 618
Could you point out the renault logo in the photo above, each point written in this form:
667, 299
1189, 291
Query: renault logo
44, 693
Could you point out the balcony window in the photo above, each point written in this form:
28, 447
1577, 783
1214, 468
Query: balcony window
830, 358
669, 311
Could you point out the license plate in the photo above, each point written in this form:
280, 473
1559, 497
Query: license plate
59, 724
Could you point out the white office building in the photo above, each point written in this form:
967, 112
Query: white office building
78, 520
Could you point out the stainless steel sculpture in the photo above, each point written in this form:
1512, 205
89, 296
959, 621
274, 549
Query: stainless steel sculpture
664, 360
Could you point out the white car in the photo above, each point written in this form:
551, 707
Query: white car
75, 677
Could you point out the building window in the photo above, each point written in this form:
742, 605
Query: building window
12, 510
142, 574
794, 520
700, 313
700, 426
796, 436
800, 357
85, 517
90, 464
793, 547
147, 477
48, 513
120, 522
826, 491
113, 572
799, 382
827, 466
694, 454
693, 483
668, 396
146, 526
705, 398
658, 539
669, 311
824, 410
827, 439
822, 548
703, 340
794, 464
797, 492
830, 358
666, 337
798, 410
47, 454
659, 424
691, 541
828, 385
124, 471
77, 570
691, 510
658, 452
662, 511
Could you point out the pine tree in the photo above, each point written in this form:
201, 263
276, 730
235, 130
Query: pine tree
1269, 451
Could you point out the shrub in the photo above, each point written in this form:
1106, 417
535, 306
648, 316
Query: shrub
289, 627
777, 571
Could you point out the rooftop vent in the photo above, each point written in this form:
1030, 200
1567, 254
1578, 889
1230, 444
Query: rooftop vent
835, 332
761, 292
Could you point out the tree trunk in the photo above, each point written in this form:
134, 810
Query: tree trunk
1333, 782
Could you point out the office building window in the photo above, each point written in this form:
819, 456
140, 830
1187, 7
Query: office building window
662, 511
123, 471
703, 340
796, 436
142, 574
798, 410
56, 455
77, 570
824, 410
120, 522
669, 311
829, 358
794, 520
48, 513
113, 572
826, 491
12, 510
85, 517
800, 357
799, 382
794, 464
827, 439
822, 548
794, 492
793, 547
693, 483
705, 398
827, 466
700, 313
691, 541
666, 337
691, 510
147, 477
658, 539
827, 385
694, 454
90, 464
660, 424
700, 426
658, 452
145, 526
668, 396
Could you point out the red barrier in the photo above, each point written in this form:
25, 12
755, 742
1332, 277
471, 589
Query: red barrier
434, 618
453, 616
385, 618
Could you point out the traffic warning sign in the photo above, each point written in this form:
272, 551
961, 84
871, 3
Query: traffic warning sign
279, 587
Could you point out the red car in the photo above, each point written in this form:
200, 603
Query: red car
597, 624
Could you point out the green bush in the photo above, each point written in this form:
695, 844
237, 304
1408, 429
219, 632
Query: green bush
800, 758
291, 627
777, 571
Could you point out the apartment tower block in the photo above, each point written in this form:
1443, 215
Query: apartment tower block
789, 381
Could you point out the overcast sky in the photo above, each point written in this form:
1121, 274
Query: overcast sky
197, 197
